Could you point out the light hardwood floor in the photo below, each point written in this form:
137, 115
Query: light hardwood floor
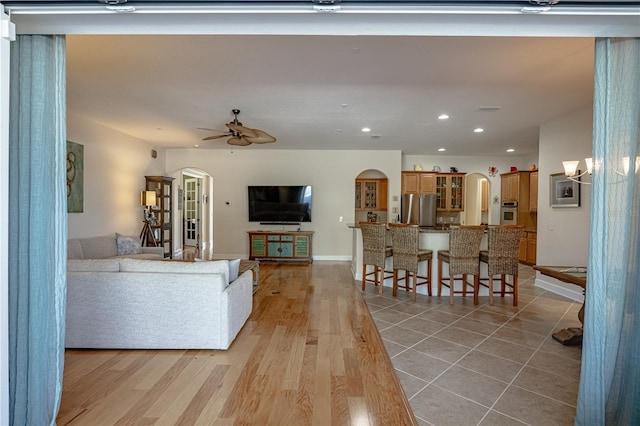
309, 354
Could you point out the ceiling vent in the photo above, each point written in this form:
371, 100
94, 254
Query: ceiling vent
544, 2
489, 109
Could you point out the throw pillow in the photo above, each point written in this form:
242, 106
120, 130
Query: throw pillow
234, 269
128, 245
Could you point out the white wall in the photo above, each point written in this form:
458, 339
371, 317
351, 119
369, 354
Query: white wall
115, 165
330, 173
563, 233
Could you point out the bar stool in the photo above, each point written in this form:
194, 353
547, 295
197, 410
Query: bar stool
374, 252
502, 258
405, 240
463, 258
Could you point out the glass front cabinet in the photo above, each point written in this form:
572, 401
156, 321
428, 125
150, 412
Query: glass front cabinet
371, 194
450, 192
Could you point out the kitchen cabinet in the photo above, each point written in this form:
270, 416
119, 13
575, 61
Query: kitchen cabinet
533, 192
484, 202
515, 187
418, 183
450, 192
162, 225
532, 246
281, 246
371, 194
509, 183
528, 247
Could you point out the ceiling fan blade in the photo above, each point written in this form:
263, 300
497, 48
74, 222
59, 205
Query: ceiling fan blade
245, 131
261, 137
210, 138
238, 141
211, 130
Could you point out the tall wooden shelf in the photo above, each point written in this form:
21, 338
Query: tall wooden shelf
162, 226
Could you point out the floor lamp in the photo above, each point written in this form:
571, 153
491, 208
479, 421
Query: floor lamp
148, 199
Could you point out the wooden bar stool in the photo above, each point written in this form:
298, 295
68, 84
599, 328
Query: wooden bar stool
374, 252
405, 240
502, 259
463, 258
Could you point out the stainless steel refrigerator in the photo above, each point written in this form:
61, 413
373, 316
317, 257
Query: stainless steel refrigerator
419, 209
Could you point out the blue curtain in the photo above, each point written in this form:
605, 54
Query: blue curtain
37, 228
609, 382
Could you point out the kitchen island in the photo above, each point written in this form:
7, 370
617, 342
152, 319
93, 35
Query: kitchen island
430, 239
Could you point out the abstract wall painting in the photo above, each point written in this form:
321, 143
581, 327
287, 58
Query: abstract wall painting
75, 177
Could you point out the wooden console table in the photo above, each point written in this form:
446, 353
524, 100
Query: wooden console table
281, 245
574, 275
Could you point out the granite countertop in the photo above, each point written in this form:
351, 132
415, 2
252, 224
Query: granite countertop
437, 230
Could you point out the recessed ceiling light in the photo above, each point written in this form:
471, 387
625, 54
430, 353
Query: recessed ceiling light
510, 150
441, 149
196, 146
443, 116
366, 129
375, 136
478, 130
344, 105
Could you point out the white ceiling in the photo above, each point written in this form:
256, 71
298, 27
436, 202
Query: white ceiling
317, 92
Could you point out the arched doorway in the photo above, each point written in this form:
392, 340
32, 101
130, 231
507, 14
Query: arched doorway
476, 194
371, 197
193, 213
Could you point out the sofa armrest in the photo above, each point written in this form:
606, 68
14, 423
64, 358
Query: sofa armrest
152, 250
237, 304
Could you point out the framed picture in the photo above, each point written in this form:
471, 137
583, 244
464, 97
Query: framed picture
75, 177
563, 192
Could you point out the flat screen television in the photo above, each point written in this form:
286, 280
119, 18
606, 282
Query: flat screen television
280, 204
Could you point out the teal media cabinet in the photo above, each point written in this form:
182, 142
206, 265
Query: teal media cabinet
281, 246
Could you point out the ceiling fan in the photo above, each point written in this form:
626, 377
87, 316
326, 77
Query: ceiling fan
240, 135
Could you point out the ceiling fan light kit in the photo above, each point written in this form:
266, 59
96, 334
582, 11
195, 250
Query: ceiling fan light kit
239, 134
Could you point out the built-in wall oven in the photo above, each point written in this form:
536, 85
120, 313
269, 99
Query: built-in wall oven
509, 213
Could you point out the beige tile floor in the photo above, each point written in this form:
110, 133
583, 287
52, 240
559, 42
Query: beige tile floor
482, 365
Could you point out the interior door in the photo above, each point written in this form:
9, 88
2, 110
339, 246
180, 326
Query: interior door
191, 211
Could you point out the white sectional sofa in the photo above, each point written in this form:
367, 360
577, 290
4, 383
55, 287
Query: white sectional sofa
122, 303
108, 246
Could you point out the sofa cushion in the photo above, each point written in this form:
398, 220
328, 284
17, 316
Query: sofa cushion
99, 247
176, 267
127, 245
93, 265
74, 249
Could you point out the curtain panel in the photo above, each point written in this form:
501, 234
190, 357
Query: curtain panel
37, 228
609, 381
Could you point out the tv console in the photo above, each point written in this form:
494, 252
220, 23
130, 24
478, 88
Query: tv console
289, 246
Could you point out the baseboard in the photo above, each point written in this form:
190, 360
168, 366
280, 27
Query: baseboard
570, 291
333, 258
